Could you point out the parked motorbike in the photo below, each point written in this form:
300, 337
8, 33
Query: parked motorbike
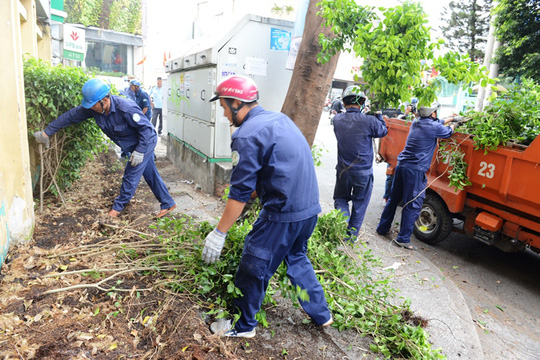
327, 105
331, 116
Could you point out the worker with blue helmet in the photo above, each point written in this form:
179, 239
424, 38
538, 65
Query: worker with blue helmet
125, 124
141, 97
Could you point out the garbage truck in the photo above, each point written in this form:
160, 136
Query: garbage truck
501, 207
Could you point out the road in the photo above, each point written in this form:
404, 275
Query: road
502, 290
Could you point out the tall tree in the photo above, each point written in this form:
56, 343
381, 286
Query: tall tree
518, 29
311, 79
467, 26
84, 12
125, 16
118, 15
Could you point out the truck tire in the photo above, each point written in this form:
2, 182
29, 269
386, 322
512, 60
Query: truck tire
435, 222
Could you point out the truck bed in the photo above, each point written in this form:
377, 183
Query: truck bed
505, 182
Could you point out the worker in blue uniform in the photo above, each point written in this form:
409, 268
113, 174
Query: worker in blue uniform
124, 123
126, 92
141, 97
355, 132
272, 160
410, 180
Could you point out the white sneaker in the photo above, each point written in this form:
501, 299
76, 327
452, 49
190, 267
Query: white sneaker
224, 327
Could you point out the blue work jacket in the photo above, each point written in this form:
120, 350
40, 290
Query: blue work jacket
421, 143
125, 124
271, 155
354, 133
143, 100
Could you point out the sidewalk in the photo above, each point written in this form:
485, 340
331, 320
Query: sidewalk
433, 297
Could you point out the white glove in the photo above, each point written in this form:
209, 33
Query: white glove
136, 158
212, 246
41, 138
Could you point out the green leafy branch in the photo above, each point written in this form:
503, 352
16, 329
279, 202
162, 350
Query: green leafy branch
49, 92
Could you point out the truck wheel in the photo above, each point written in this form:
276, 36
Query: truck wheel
435, 222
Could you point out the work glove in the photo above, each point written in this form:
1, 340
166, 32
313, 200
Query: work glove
213, 246
460, 120
41, 138
136, 158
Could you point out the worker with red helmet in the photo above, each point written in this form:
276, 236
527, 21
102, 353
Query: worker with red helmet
272, 160
125, 124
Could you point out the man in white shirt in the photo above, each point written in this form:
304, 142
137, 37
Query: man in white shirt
156, 97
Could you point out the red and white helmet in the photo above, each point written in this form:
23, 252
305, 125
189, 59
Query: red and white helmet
237, 87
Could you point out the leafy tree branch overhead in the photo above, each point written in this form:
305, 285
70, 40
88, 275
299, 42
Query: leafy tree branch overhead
396, 47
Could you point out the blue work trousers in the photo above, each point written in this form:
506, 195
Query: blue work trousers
132, 176
356, 189
266, 246
408, 187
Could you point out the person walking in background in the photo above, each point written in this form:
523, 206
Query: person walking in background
337, 105
355, 132
141, 98
125, 124
156, 98
337, 108
410, 174
271, 160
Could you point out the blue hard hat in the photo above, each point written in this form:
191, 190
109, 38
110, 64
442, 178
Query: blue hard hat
94, 90
135, 82
414, 101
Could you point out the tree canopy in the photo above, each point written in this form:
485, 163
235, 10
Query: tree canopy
518, 29
119, 15
467, 26
396, 49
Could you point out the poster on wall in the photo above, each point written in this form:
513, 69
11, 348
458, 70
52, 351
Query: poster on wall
74, 43
256, 66
280, 40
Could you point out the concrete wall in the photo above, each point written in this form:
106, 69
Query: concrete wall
21, 35
212, 177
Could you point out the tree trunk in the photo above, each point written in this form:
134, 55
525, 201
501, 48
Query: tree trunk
310, 80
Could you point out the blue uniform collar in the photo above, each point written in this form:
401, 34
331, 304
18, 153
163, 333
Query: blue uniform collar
113, 105
253, 112
353, 109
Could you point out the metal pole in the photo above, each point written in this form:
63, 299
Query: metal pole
490, 50
41, 179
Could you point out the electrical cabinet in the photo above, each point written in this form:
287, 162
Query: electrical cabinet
256, 47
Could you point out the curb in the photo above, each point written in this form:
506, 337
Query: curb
434, 297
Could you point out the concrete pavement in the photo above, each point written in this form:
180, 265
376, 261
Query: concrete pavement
433, 297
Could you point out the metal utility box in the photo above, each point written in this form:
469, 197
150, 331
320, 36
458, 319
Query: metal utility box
256, 47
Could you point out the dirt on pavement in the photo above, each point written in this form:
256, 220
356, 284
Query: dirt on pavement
89, 321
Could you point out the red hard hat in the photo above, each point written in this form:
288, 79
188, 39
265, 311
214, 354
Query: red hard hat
237, 87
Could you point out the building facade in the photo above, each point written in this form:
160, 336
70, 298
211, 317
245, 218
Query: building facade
26, 31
